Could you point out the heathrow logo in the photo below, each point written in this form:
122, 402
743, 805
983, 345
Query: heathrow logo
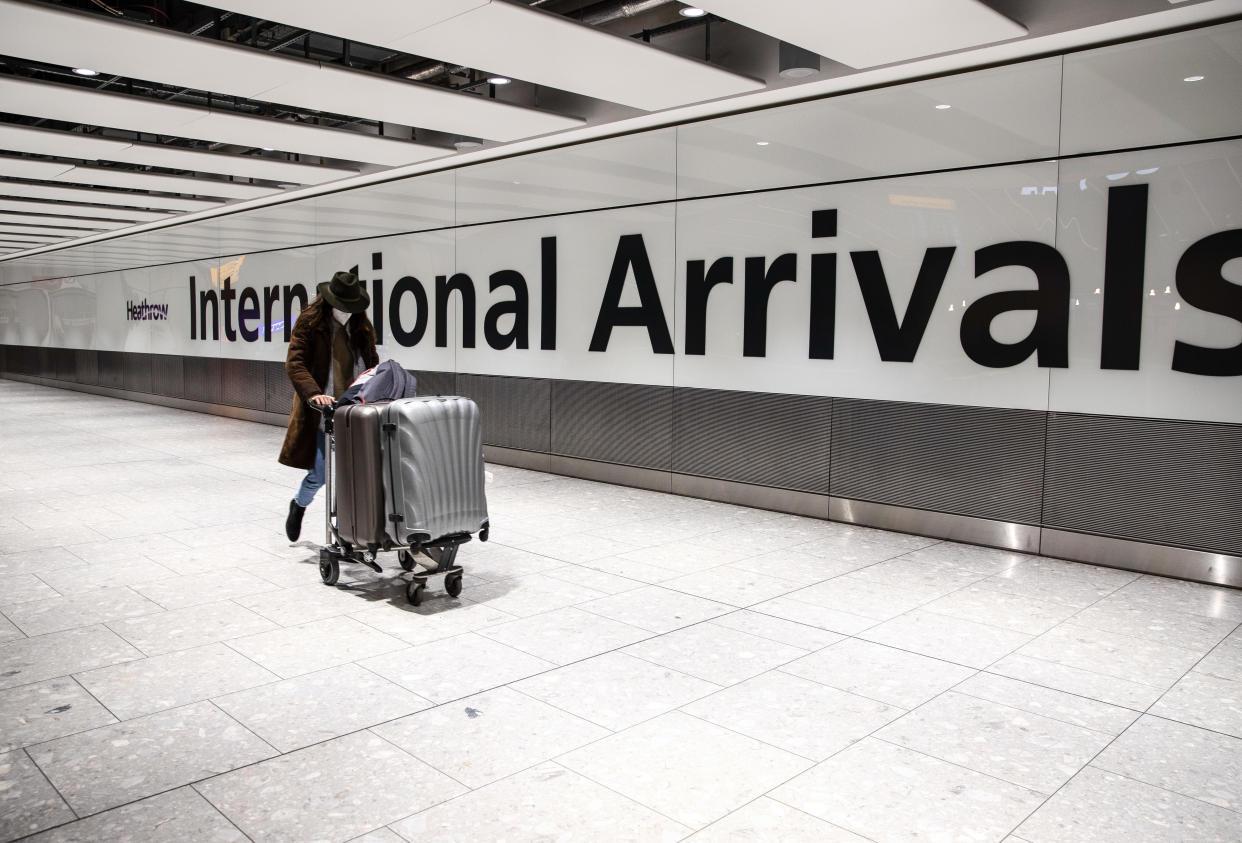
144, 312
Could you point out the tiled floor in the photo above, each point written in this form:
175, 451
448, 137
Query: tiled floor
615, 669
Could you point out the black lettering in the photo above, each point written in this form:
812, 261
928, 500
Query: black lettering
900, 341
271, 295
699, 284
759, 284
1125, 250
1201, 282
649, 313
547, 294
463, 284
377, 308
295, 291
193, 307
227, 298
204, 298
519, 335
1049, 338
408, 284
248, 311
823, 325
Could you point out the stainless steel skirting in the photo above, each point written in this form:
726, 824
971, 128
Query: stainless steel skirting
1197, 565
959, 528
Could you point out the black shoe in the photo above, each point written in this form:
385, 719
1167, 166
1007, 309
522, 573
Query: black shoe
293, 524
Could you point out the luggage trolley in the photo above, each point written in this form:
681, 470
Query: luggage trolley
441, 551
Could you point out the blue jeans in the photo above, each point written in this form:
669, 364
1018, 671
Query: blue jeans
313, 481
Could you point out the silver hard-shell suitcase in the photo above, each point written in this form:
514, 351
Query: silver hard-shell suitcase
433, 469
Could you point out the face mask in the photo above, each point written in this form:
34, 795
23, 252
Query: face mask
340, 316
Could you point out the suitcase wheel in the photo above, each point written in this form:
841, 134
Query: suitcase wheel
406, 559
414, 592
452, 584
329, 568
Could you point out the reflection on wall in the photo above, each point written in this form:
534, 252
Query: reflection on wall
74, 316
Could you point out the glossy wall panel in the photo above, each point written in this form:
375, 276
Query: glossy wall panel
984, 313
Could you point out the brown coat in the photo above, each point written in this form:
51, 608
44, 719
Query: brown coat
308, 364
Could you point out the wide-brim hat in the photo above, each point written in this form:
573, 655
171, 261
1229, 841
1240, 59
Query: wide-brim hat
344, 292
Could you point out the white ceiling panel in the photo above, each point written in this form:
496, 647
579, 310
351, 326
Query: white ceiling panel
67, 222
71, 211
94, 148
355, 21
498, 37
150, 181
79, 39
74, 104
10, 232
28, 168
105, 197
875, 32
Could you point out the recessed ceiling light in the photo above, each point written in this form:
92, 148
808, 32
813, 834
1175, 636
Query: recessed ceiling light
943, 106
1193, 79
691, 12
85, 71
761, 143
466, 143
498, 80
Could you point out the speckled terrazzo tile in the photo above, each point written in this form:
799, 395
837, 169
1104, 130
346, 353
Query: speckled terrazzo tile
455, 667
24, 588
8, 632
656, 609
298, 712
39, 561
1184, 759
314, 646
1225, 661
530, 595
886, 792
100, 575
882, 673
45, 710
491, 735
1074, 680
615, 690
28, 803
153, 684
565, 635
27, 660
1007, 743
547, 802
196, 589
736, 585
794, 714
1047, 702
173, 817
1204, 699
1120, 656
115, 764
768, 821
1106, 808
96, 606
990, 606
778, 629
715, 653
689, 770
331, 791
943, 637
184, 629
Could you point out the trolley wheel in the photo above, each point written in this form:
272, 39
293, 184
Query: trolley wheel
406, 559
329, 570
452, 584
414, 593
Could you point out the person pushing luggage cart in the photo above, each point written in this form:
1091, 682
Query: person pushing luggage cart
331, 335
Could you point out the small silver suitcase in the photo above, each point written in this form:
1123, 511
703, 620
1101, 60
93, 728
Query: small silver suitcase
433, 469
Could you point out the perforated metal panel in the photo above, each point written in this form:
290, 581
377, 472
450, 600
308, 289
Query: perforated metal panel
86, 366
515, 411
243, 384
202, 379
112, 369
435, 383
62, 362
1154, 480
167, 375
630, 424
138, 372
977, 461
752, 437
278, 388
